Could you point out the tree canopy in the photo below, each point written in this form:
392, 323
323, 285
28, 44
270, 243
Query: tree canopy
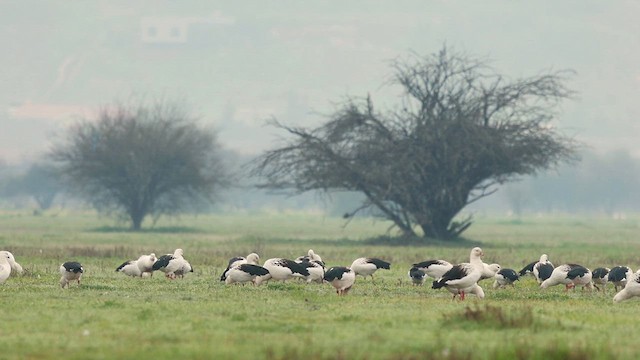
460, 130
142, 159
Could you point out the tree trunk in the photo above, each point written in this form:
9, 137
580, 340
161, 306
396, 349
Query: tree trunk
136, 220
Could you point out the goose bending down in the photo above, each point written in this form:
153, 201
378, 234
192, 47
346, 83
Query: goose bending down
618, 276
542, 269
368, 266
70, 271
130, 268
315, 269
145, 264
170, 263
474, 289
341, 278
570, 275
244, 272
434, 268
417, 276
463, 276
600, 277
11, 260
505, 277
252, 258
282, 269
631, 289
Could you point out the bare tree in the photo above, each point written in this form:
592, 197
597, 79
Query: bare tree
460, 130
39, 182
141, 160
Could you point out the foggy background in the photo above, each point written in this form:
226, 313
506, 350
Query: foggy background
237, 64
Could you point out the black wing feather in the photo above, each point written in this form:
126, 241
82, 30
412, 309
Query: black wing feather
576, 271
457, 272
335, 273
600, 273
294, 266
255, 270
123, 265
416, 273
527, 269
380, 264
427, 263
509, 274
73, 266
618, 273
162, 262
544, 271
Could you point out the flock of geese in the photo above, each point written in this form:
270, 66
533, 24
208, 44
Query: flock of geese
459, 279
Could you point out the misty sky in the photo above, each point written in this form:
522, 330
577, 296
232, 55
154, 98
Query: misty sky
238, 63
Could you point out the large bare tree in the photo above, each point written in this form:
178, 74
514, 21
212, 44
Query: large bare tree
460, 130
142, 159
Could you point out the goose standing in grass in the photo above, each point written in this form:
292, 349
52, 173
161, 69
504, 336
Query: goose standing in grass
184, 268
417, 276
600, 277
283, 270
244, 272
368, 266
618, 276
631, 289
170, 263
145, 264
527, 269
463, 276
315, 269
252, 258
434, 268
341, 278
542, 269
130, 268
70, 271
505, 277
13, 264
570, 275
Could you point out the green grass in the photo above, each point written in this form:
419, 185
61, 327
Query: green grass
113, 316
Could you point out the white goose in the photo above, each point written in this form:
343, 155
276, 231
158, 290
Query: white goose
70, 271
631, 289
252, 258
311, 256
368, 266
130, 268
542, 269
12, 261
570, 275
5, 267
341, 278
282, 269
244, 272
145, 264
434, 268
170, 263
463, 276
600, 277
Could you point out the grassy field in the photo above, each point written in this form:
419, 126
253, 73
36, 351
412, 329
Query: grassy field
113, 316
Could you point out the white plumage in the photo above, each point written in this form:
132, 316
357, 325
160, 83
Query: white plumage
474, 289
463, 276
311, 256
631, 289
570, 275
5, 267
315, 269
368, 266
169, 264
282, 269
252, 258
434, 268
489, 271
130, 268
244, 272
145, 264
11, 260
341, 278
70, 271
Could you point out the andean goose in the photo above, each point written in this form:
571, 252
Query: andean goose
463, 276
570, 275
70, 271
341, 278
631, 289
505, 277
434, 268
600, 277
282, 269
368, 266
252, 258
618, 276
417, 276
542, 269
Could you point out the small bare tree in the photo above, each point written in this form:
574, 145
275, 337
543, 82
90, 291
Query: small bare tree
460, 130
141, 160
